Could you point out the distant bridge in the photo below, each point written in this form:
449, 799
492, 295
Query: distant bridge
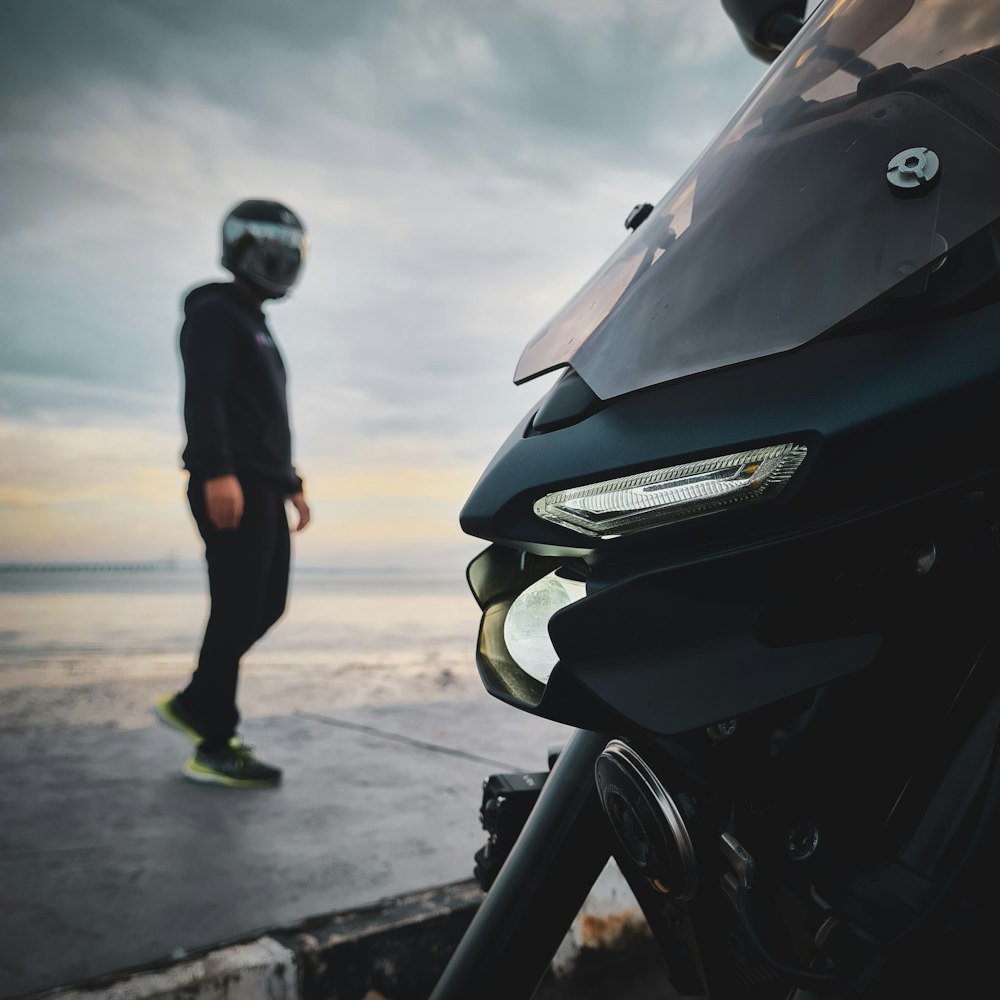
90, 567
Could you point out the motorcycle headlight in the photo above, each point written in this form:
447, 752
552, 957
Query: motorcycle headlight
651, 499
526, 627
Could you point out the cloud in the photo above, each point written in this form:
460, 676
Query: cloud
503, 83
462, 167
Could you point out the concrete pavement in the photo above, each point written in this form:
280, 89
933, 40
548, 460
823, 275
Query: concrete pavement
110, 860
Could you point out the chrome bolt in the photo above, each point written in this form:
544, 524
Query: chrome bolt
913, 170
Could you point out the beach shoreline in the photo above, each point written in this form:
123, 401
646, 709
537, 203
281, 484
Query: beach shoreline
99, 649
118, 690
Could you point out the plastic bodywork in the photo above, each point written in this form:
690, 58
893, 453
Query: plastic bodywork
696, 622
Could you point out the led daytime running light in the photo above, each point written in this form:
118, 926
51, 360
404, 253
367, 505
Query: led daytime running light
650, 499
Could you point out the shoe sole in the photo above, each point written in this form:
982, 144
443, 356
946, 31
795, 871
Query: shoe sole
162, 711
206, 777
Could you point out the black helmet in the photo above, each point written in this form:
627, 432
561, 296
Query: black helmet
265, 243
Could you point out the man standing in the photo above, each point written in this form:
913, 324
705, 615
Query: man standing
239, 456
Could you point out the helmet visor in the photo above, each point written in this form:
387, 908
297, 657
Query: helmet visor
792, 220
269, 253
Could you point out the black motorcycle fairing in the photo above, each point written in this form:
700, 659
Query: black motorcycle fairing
668, 650
695, 622
569, 400
677, 649
886, 416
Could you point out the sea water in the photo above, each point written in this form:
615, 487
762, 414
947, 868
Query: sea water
99, 645
100, 611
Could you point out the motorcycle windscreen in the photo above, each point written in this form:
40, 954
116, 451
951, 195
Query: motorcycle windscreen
793, 219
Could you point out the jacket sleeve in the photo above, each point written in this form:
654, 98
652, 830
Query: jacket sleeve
208, 346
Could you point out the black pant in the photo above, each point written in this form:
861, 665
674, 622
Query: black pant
248, 584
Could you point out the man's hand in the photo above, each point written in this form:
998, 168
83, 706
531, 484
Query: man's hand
224, 502
300, 505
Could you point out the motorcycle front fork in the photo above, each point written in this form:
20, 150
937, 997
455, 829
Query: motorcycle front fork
563, 847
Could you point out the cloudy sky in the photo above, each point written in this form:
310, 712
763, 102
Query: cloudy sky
463, 166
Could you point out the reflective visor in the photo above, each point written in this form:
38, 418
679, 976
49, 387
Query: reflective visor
270, 253
276, 232
788, 223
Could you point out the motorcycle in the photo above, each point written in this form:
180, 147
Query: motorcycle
747, 544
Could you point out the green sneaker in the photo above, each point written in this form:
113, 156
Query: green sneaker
169, 709
234, 767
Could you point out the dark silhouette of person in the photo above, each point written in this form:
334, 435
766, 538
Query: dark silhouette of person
239, 456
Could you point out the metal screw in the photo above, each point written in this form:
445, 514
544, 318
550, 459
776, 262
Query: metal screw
913, 170
801, 841
722, 730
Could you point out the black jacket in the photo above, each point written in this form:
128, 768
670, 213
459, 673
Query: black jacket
235, 408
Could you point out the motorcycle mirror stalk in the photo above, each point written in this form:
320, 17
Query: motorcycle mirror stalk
766, 27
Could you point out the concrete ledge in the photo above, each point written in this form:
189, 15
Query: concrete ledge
400, 945
398, 951
258, 970
395, 950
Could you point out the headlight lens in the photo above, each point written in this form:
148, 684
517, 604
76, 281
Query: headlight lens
650, 499
526, 627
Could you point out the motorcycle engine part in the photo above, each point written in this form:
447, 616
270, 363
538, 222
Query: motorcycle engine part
561, 851
738, 856
507, 801
647, 821
802, 841
722, 730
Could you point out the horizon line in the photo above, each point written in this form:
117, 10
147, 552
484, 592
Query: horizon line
171, 564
